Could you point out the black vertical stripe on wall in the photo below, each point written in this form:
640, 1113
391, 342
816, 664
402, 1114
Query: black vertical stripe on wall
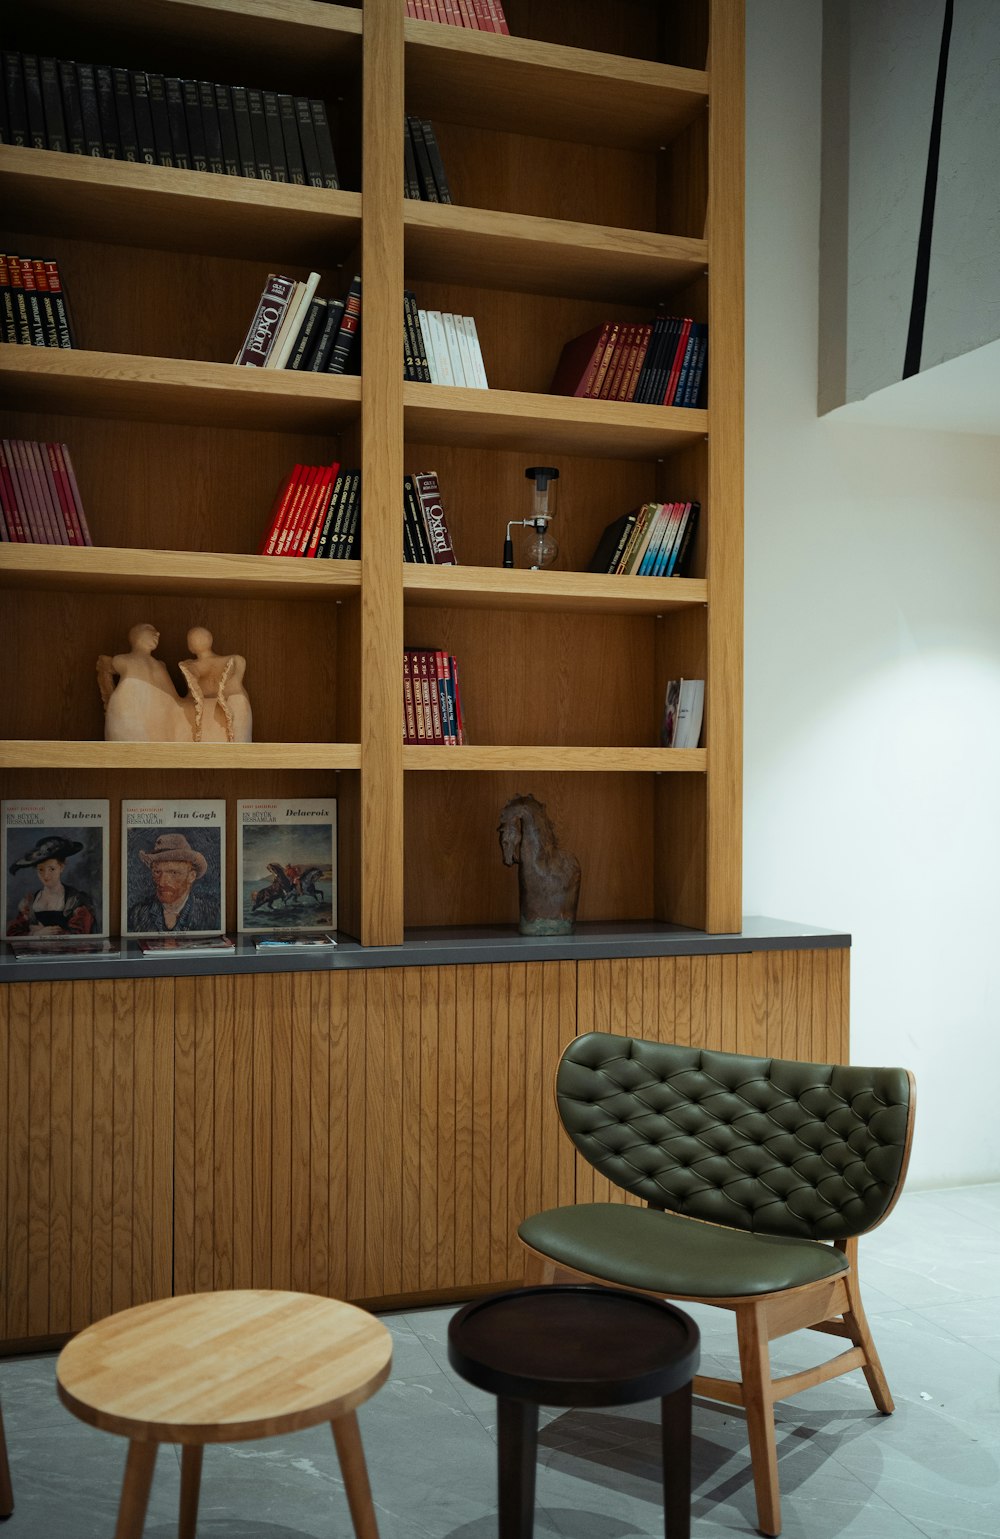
918, 307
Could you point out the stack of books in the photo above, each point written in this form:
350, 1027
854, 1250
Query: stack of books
683, 711
441, 349
478, 15
39, 497
423, 168
659, 362
33, 311
432, 700
294, 329
426, 537
195, 125
317, 514
653, 540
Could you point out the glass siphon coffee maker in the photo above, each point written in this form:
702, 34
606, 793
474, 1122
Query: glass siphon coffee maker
538, 548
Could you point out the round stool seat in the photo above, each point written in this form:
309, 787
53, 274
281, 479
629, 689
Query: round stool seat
574, 1345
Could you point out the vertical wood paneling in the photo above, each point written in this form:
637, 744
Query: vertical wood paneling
163, 996
699, 1001
339, 1032
141, 1280
839, 984
354, 1236
500, 1151
552, 1045
464, 1023
482, 1133
223, 1168
103, 1148
428, 1125
18, 1126
567, 1031
123, 1143
262, 1118
39, 1145
281, 1129
751, 1017
411, 1130
203, 1216
515, 1115
61, 1176
243, 1132
82, 1171
373, 1150
537, 1090
446, 1136
318, 987
185, 1073
300, 1131
396, 1130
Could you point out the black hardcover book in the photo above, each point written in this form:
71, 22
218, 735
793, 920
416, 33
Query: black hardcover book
212, 126
411, 182
33, 303
177, 119
244, 133
258, 130
324, 143
227, 125
337, 547
350, 545
55, 122
143, 117
428, 186
409, 342
611, 545
4, 114
346, 346
290, 139
414, 526
110, 133
92, 138
330, 516
302, 347
327, 337
128, 134
651, 362
437, 164
419, 342
307, 139
33, 99
195, 126
22, 319
275, 139
72, 107
17, 106
161, 122
664, 363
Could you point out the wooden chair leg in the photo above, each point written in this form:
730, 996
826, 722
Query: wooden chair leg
860, 1333
755, 1370
135, 1490
517, 1457
538, 1270
6, 1489
191, 1456
675, 1414
347, 1436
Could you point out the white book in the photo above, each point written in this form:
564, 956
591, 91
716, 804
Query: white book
465, 349
440, 345
55, 869
428, 336
454, 351
298, 311
689, 713
286, 865
173, 867
469, 325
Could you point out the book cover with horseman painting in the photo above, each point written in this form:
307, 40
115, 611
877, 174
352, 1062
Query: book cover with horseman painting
173, 868
287, 865
55, 869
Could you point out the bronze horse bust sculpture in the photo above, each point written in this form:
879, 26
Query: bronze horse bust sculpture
548, 878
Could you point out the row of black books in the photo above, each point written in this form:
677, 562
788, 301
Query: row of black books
653, 540
316, 513
477, 15
293, 328
423, 168
114, 113
660, 362
432, 699
39, 498
33, 309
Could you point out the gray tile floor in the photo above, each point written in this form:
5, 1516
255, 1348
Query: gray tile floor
931, 1278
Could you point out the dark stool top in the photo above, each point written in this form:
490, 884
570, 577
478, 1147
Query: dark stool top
574, 1346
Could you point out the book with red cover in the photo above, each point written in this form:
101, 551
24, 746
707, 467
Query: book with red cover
12, 513
676, 361
409, 709
59, 304
50, 502
64, 496
483, 17
499, 19
312, 512
319, 523
63, 455
293, 516
636, 362
619, 358
269, 538
597, 383
580, 360
438, 535
45, 301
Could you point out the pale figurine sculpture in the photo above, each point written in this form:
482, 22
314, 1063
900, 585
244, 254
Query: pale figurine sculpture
143, 706
218, 704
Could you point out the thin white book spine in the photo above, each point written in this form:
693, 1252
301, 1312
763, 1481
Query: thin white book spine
297, 312
454, 354
440, 344
465, 349
428, 336
690, 711
469, 324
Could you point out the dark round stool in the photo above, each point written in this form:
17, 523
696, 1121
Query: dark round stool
578, 1346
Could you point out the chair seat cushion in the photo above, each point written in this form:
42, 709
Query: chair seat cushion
667, 1253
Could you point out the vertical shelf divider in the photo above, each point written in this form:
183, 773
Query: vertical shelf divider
381, 796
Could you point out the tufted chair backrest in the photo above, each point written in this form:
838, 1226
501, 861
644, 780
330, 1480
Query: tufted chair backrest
765, 1144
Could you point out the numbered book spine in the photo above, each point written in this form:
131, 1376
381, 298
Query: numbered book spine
33, 101
19, 301
143, 117
258, 131
244, 133
275, 140
290, 140
324, 143
59, 305
69, 86
157, 89
125, 113
45, 300
308, 142
177, 119
347, 334
191, 97
55, 122
93, 142
35, 317
17, 106
227, 127
212, 127
104, 84
8, 323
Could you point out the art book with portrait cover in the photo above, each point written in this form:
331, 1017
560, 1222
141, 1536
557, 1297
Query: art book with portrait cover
173, 867
287, 865
55, 869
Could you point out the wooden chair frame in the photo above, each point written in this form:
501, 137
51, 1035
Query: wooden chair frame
832, 1305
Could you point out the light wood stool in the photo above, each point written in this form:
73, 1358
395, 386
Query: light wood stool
224, 1368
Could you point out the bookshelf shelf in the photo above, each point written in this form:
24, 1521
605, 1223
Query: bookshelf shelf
38, 753
99, 569
511, 419
126, 203
547, 256
560, 760
525, 87
182, 390
472, 587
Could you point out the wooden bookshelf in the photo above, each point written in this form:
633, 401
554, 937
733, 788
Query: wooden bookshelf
597, 170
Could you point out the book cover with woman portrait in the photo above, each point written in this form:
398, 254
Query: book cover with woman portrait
173, 868
55, 869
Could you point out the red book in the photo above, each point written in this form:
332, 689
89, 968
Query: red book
37, 530
59, 303
317, 499
616, 368
51, 510
11, 510
289, 528
62, 452
483, 17
499, 19
429, 689
65, 497
579, 361
441, 671
409, 710
278, 507
675, 366
22, 319
467, 12
317, 529
604, 364
635, 366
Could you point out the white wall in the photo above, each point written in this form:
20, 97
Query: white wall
872, 770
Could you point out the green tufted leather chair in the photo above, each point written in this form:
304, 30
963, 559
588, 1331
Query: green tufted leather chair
759, 1175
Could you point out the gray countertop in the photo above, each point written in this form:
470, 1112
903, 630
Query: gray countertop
435, 948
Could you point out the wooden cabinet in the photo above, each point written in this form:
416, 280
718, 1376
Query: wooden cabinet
596, 160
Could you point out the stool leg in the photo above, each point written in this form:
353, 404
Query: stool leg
135, 1490
676, 1425
517, 1453
347, 1436
191, 1455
